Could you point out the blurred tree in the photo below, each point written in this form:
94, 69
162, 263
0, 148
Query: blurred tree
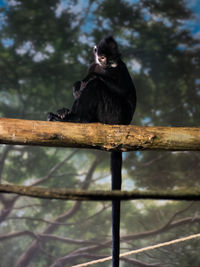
44, 47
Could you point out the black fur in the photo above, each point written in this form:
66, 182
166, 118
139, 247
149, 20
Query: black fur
107, 95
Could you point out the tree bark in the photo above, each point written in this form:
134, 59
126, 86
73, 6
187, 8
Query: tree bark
98, 136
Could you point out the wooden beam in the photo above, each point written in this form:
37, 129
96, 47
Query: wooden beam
98, 136
91, 195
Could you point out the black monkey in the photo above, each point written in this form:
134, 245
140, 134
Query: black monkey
107, 95
97, 68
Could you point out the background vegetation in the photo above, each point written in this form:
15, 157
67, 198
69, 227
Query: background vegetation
44, 47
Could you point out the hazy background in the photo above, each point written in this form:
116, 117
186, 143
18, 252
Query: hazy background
45, 46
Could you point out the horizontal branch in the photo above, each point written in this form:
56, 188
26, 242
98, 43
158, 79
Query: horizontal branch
71, 194
99, 136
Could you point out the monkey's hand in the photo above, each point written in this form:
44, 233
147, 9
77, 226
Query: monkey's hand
62, 113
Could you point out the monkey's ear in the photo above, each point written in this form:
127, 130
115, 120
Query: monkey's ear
113, 45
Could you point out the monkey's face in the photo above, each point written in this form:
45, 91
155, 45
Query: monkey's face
103, 60
99, 59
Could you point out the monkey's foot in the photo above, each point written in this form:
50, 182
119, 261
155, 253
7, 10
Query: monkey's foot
50, 116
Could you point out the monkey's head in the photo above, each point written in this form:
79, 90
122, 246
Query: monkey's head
106, 54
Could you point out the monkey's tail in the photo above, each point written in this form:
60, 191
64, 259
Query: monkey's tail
116, 167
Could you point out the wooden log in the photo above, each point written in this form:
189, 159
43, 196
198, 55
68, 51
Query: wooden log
98, 136
91, 195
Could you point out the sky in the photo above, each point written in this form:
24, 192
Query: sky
194, 25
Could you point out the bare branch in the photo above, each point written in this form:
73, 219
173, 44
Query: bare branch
16, 234
91, 249
3, 158
8, 205
99, 136
35, 219
54, 169
27, 255
27, 206
47, 237
139, 263
165, 227
176, 214
82, 252
77, 194
60, 261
